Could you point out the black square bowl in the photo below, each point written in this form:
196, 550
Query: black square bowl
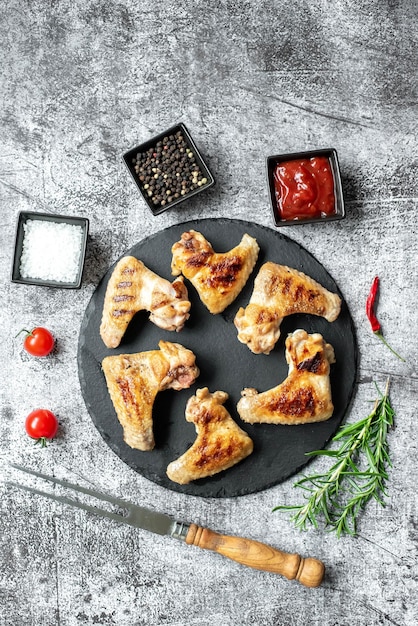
166, 202
24, 216
331, 155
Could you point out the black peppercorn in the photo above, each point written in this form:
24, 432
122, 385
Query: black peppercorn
168, 170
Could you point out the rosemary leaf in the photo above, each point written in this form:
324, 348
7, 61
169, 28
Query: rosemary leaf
323, 453
344, 490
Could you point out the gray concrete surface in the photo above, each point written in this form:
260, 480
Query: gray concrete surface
82, 82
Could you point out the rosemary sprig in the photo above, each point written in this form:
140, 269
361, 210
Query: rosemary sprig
344, 490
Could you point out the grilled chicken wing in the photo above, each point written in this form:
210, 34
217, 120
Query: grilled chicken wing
279, 291
132, 288
217, 277
133, 381
305, 395
220, 442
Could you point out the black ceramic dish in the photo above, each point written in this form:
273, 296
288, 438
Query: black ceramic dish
331, 155
23, 217
130, 156
225, 364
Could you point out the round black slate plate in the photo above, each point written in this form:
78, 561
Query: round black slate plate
225, 364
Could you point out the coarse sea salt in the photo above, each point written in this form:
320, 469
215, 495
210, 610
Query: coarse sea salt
51, 251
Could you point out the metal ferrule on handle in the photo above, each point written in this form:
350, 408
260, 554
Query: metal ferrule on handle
180, 530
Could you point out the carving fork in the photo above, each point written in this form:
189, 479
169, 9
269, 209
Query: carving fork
309, 572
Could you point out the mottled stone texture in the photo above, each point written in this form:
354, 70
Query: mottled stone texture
82, 82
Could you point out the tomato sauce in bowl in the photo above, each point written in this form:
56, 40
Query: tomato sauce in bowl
305, 187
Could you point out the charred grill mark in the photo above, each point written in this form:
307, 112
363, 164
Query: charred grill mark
213, 454
302, 293
183, 374
206, 417
224, 273
286, 284
300, 403
311, 365
265, 315
128, 270
302, 297
204, 455
179, 289
159, 300
123, 284
121, 312
126, 393
299, 292
122, 298
289, 287
187, 240
200, 259
271, 284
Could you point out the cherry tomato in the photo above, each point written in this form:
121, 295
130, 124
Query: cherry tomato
41, 425
38, 342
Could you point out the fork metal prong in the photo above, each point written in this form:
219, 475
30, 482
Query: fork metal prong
64, 500
64, 483
137, 516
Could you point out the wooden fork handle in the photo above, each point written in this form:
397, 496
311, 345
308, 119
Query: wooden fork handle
309, 572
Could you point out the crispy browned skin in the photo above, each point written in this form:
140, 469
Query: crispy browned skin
133, 381
220, 442
280, 291
305, 395
217, 277
132, 288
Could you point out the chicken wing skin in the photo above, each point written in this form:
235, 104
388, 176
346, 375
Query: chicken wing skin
305, 395
132, 288
220, 442
217, 277
133, 381
280, 291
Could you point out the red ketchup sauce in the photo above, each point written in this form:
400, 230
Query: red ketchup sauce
304, 188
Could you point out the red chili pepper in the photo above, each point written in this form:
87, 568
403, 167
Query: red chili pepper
370, 302
374, 322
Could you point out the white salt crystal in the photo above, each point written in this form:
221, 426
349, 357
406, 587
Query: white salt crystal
51, 251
